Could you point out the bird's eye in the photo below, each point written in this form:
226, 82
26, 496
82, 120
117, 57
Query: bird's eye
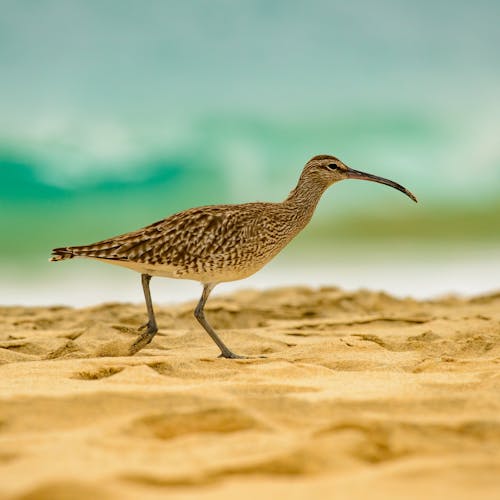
332, 166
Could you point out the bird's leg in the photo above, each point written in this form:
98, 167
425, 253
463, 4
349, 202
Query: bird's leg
200, 316
151, 326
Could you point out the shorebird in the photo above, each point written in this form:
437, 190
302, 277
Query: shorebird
218, 243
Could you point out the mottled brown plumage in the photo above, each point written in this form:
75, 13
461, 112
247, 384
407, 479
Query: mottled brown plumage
218, 243
201, 243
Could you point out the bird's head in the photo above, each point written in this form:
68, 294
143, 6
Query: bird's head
327, 170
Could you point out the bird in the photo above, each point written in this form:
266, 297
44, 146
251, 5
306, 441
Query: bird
218, 243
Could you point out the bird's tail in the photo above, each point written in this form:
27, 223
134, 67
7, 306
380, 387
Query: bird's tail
106, 249
62, 253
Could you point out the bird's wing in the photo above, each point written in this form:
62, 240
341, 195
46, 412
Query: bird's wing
196, 234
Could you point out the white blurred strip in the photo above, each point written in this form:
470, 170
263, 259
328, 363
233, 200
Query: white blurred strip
425, 275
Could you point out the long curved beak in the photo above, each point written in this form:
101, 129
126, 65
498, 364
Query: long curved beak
356, 174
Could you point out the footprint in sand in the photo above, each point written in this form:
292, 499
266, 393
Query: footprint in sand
103, 372
166, 426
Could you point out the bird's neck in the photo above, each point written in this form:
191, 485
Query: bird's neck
304, 198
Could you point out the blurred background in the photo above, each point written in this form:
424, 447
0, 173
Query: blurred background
114, 114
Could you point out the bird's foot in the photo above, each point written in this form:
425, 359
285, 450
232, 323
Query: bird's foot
144, 339
141, 342
232, 355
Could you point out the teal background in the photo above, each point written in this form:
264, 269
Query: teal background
114, 114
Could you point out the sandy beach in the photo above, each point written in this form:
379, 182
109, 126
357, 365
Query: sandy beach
360, 395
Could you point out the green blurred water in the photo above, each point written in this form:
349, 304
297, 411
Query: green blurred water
43, 207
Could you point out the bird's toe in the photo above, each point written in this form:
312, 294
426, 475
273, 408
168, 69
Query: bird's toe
141, 342
232, 355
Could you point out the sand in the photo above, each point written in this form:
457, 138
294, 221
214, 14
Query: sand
361, 395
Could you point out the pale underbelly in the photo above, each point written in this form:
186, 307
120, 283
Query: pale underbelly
205, 276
